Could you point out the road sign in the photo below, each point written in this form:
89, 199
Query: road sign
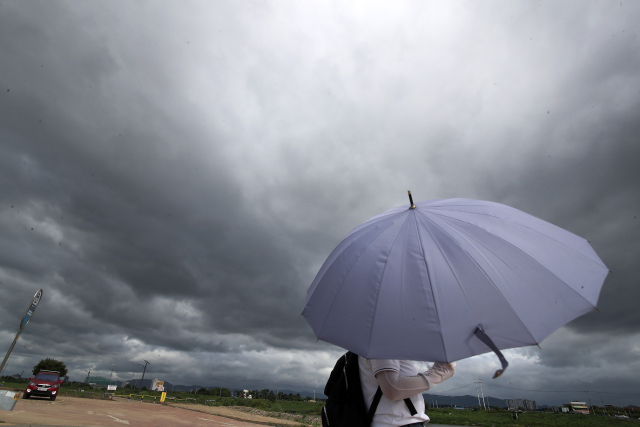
32, 307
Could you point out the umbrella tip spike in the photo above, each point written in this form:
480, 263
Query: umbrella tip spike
411, 200
539, 346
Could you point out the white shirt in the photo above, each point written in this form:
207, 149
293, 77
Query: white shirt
389, 413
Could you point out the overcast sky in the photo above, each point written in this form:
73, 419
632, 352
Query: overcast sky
174, 173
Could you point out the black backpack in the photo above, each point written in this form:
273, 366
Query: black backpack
345, 402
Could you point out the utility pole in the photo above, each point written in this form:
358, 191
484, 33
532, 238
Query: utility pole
478, 383
143, 372
589, 402
604, 408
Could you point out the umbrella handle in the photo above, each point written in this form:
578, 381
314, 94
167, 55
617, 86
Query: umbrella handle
482, 336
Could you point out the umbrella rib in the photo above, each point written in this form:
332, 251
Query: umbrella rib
448, 263
483, 272
438, 212
435, 302
515, 271
525, 253
375, 311
372, 226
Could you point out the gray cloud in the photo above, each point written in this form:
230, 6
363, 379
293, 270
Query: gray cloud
174, 175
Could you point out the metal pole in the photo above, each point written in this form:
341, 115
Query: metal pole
143, 372
23, 324
13, 344
478, 382
589, 401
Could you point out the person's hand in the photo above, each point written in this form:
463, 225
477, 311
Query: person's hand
446, 366
439, 372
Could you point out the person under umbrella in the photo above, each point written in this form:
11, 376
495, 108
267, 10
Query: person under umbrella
401, 403
444, 280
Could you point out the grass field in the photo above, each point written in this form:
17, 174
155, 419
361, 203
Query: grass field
495, 418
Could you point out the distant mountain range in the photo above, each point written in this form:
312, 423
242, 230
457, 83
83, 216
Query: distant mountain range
465, 401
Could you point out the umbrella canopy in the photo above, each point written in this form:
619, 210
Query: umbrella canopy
417, 282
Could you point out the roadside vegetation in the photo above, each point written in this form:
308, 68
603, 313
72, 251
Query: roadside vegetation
301, 407
503, 418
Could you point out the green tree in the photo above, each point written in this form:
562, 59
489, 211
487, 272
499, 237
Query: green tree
49, 364
220, 392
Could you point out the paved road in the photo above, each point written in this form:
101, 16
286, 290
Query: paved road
76, 412
71, 411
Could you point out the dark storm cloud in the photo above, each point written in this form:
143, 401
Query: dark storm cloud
154, 223
174, 175
582, 175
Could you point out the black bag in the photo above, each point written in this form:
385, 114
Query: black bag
345, 402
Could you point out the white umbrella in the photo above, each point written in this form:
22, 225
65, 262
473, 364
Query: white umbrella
444, 280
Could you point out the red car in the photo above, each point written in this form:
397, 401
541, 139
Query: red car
45, 384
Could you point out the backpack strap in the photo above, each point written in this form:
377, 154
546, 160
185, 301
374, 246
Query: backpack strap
376, 401
374, 406
412, 409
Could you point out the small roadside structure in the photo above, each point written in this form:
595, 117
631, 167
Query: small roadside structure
579, 407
